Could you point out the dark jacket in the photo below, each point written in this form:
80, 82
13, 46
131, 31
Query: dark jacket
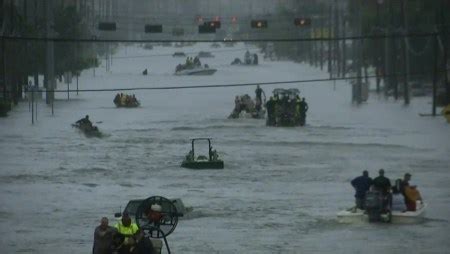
103, 240
362, 185
382, 183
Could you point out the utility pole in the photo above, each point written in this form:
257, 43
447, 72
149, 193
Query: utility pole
444, 36
50, 65
435, 71
337, 42
405, 53
322, 26
330, 43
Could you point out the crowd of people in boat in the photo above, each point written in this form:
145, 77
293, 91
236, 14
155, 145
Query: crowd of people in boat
286, 110
191, 63
249, 59
125, 236
245, 103
125, 100
213, 156
402, 196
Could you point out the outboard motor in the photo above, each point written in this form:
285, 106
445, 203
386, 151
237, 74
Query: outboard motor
375, 207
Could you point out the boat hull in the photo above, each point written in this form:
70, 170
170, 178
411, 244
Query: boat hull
398, 217
203, 164
196, 72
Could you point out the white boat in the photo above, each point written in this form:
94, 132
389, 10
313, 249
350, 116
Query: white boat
398, 217
196, 71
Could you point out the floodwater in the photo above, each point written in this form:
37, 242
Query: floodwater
281, 187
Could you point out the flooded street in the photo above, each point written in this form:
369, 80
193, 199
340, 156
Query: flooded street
280, 189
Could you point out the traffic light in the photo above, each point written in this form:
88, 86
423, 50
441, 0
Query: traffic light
302, 22
107, 26
259, 24
153, 28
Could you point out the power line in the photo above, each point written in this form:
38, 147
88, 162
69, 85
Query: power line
238, 84
364, 37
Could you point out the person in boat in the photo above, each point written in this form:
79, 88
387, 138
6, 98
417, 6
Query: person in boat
303, 109
236, 61
410, 193
255, 59
383, 185
270, 106
117, 99
103, 237
197, 62
361, 184
398, 200
84, 121
127, 228
247, 59
143, 245
259, 92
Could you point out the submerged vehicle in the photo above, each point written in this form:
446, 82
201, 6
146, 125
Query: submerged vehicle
376, 211
245, 107
179, 54
211, 161
88, 130
205, 54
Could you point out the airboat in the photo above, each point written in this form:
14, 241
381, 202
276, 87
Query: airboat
211, 161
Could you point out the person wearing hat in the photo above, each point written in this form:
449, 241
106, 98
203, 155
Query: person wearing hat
410, 193
127, 228
154, 214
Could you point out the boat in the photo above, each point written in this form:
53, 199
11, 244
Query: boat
89, 131
211, 161
156, 216
126, 101
354, 215
245, 107
197, 71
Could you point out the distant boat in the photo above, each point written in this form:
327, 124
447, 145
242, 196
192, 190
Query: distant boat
198, 71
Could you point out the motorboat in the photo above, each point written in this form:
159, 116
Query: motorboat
198, 71
354, 215
88, 130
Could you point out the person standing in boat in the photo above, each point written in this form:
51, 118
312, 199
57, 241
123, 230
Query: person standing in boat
362, 185
103, 237
259, 92
383, 185
410, 193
